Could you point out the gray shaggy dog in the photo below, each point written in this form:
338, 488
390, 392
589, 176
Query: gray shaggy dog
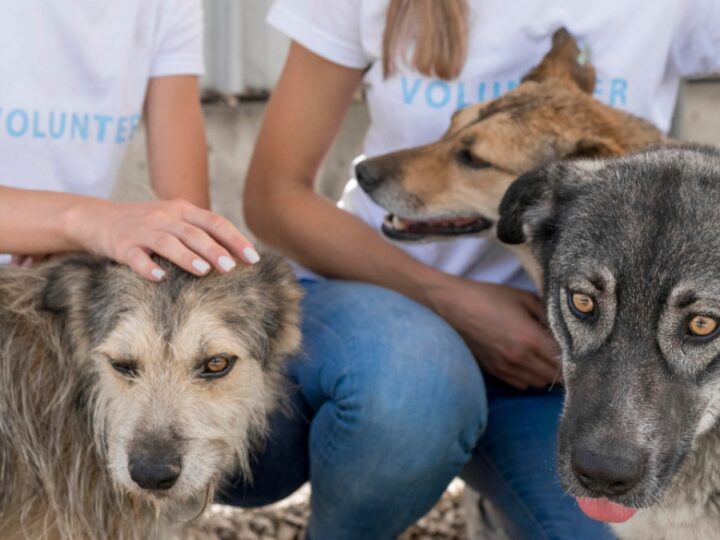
630, 252
123, 402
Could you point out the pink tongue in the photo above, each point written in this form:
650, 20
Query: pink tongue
604, 510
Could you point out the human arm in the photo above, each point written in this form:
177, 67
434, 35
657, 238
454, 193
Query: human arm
176, 145
42, 222
303, 116
36, 223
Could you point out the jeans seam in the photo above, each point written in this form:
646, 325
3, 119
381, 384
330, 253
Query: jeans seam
521, 503
330, 449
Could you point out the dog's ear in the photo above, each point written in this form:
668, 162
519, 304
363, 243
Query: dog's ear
595, 147
527, 191
281, 320
72, 292
565, 62
69, 281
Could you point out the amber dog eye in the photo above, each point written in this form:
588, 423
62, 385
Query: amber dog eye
702, 326
217, 366
582, 305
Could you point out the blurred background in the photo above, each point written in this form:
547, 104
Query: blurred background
244, 57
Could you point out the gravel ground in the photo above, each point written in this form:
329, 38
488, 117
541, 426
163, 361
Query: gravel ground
286, 520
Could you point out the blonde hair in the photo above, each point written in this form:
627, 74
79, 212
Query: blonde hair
437, 28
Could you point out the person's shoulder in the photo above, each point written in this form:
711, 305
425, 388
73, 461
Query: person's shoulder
331, 30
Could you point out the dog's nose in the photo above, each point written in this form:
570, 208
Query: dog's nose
368, 175
613, 472
158, 473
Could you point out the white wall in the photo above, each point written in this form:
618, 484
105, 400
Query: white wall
242, 53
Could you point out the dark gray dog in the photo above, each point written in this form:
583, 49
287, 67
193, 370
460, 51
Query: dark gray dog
630, 250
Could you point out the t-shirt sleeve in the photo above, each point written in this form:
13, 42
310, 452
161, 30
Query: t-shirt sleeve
696, 49
330, 29
179, 41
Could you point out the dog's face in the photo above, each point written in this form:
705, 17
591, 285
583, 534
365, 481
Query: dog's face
186, 371
454, 186
630, 251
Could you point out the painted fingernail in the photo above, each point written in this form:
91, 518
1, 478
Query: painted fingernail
201, 266
226, 263
251, 255
157, 273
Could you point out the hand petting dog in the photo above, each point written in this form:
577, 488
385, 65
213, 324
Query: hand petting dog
191, 237
504, 329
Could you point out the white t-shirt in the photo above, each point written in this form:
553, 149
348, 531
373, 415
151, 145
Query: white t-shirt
640, 49
74, 76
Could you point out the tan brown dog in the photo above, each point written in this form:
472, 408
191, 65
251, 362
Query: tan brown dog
453, 187
124, 403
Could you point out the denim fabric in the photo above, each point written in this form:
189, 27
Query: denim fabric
514, 466
388, 406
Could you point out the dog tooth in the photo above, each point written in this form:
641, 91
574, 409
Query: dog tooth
398, 223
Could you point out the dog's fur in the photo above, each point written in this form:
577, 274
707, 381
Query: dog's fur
638, 234
71, 423
454, 186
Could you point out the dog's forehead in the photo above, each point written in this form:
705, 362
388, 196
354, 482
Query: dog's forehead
518, 101
651, 216
182, 307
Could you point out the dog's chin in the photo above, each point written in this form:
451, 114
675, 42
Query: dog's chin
172, 507
408, 230
188, 509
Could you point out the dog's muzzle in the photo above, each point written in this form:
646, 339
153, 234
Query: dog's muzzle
609, 471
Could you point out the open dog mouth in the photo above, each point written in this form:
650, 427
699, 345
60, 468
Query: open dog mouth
407, 230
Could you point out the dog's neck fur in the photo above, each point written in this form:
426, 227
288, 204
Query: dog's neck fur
690, 507
51, 469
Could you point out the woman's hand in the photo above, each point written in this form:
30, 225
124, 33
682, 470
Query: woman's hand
192, 238
27, 260
503, 328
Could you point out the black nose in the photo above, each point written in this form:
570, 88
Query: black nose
368, 175
614, 470
158, 472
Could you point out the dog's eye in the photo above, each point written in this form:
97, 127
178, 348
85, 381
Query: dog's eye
702, 326
128, 368
466, 158
581, 305
217, 366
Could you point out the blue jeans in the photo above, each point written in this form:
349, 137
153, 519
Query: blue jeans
388, 408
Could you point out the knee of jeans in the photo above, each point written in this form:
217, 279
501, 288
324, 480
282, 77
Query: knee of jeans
416, 385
